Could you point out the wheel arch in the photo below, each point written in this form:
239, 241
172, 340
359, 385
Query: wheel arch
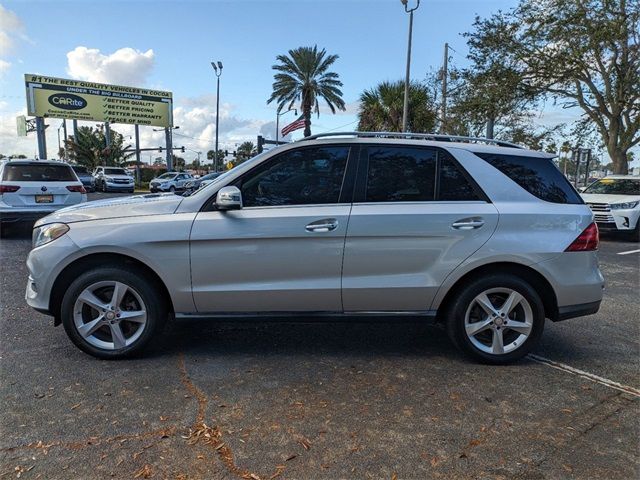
535, 278
82, 264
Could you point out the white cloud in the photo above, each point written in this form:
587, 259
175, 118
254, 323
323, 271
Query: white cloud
4, 67
125, 66
10, 27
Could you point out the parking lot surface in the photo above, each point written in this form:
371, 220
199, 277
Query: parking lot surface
323, 400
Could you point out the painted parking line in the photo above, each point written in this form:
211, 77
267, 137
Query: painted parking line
589, 376
629, 252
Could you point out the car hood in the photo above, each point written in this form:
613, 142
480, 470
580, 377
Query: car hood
133, 206
162, 180
606, 198
118, 176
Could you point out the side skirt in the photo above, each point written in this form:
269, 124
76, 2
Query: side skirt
427, 316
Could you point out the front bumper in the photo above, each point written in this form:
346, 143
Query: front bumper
44, 264
617, 220
119, 186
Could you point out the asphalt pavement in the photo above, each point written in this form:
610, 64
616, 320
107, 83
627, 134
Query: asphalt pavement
322, 401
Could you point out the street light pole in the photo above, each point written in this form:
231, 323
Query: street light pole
405, 109
218, 71
278, 115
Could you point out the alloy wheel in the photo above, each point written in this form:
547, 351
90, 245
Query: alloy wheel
109, 315
498, 321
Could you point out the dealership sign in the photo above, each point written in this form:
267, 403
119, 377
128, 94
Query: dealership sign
81, 100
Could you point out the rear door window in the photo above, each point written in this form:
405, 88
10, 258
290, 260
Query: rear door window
400, 174
538, 176
39, 173
453, 184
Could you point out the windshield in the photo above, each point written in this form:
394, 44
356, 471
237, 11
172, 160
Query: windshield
615, 186
115, 171
82, 170
166, 176
45, 172
211, 176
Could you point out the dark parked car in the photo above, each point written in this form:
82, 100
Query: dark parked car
85, 176
196, 183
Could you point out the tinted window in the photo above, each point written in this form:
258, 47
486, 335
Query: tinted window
538, 176
401, 174
453, 184
39, 173
115, 171
301, 177
81, 170
615, 186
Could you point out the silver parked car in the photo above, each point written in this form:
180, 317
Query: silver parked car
170, 182
113, 179
483, 237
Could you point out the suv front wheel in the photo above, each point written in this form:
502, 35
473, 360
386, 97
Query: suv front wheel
496, 319
112, 312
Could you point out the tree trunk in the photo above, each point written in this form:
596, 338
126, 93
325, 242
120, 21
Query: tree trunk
307, 120
619, 159
490, 124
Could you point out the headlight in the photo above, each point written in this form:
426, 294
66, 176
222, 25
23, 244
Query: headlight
624, 206
48, 233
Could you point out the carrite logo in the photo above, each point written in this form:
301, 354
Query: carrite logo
67, 101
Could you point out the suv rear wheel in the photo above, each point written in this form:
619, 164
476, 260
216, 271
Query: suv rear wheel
112, 312
496, 319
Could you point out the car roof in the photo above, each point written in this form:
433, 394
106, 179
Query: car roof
471, 144
26, 161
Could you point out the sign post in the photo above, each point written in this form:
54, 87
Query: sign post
42, 141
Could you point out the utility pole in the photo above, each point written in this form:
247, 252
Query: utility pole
64, 129
42, 141
445, 74
490, 124
138, 175
107, 134
405, 109
168, 140
218, 71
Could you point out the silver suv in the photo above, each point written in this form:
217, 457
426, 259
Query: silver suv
481, 236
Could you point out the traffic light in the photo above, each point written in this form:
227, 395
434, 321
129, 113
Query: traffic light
160, 149
182, 149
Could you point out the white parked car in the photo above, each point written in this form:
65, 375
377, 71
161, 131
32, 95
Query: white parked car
114, 179
31, 189
615, 202
170, 182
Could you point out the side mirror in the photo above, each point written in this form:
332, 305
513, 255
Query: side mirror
229, 198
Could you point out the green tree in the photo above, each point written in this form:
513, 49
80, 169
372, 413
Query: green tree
178, 163
582, 54
303, 76
381, 108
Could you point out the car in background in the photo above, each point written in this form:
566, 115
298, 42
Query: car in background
615, 203
85, 176
196, 183
113, 179
31, 189
170, 182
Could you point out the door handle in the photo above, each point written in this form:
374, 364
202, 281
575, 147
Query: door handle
324, 225
468, 223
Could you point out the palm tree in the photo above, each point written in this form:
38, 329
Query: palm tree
244, 152
303, 77
90, 148
381, 108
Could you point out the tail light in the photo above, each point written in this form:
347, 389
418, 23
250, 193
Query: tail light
587, 241
9, 188
77, 188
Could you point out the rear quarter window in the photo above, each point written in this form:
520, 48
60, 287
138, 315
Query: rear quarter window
38, 173
538, 176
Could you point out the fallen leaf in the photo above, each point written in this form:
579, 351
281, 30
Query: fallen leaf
144, 472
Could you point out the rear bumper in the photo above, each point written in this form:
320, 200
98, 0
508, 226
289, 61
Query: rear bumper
580, 310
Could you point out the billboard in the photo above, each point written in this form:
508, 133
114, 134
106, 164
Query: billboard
81, 100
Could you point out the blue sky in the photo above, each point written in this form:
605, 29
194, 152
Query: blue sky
370, 37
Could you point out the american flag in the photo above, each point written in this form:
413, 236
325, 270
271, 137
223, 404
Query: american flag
297, 124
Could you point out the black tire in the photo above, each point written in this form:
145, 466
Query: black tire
464, 300
635, 235
146, 288
172, 189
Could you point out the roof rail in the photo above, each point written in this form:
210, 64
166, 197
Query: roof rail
408, 135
